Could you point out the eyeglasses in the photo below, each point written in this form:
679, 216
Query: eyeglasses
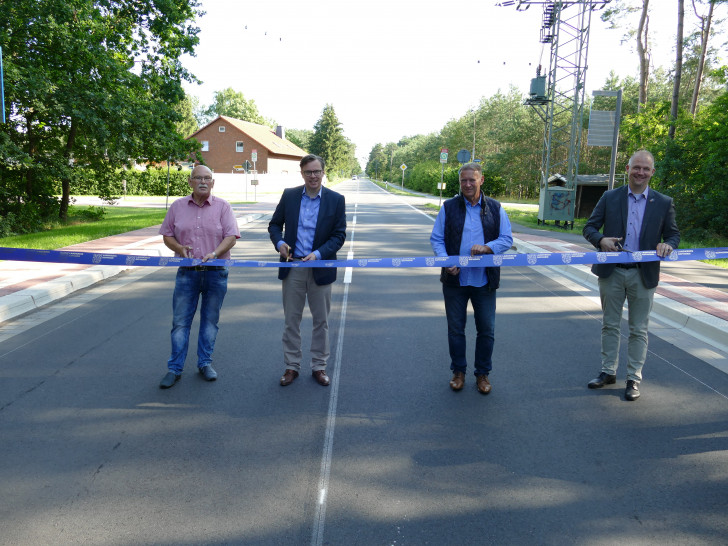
201, 178
312, 173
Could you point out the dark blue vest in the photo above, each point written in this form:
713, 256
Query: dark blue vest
454, 222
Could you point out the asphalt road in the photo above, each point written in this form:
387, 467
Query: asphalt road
94, 452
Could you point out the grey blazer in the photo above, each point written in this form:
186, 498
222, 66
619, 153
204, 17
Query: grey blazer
658, 225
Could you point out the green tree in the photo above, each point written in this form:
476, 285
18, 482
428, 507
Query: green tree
328, 141
231, 103
90, 84
376, 161
693, 169
615, 14
300, 137
186, 109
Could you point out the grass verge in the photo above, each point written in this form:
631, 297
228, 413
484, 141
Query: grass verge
82, 227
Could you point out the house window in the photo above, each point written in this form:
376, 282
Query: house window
221, 128
205, 145
239, 146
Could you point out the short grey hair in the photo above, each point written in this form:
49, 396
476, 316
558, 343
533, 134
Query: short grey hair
642, 152
472, 166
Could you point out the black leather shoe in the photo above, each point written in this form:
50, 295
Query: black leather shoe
169, 380
208, 373
632, 392
603, 379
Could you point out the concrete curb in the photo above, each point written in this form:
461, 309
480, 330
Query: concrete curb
703, 326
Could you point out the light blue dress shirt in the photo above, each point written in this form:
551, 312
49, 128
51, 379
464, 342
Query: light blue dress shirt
636, 204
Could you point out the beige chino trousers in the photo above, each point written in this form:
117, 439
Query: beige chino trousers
298, 287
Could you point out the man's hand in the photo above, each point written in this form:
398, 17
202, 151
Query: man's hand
610, 244
454, 270
285, 251
185, 251
310, 257
477, 250
664, 250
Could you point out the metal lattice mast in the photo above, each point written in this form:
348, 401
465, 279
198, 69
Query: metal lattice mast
565, 27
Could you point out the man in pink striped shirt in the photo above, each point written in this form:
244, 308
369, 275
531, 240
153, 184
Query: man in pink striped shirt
198, 226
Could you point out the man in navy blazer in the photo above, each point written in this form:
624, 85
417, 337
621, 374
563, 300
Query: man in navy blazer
309, 223
634, 217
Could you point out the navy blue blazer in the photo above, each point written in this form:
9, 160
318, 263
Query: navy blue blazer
658, 225
330, 231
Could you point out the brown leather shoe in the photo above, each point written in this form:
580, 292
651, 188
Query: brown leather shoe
288, 377
483, 384
458, 381
321, 377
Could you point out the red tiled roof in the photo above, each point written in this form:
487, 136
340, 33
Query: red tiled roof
263, 135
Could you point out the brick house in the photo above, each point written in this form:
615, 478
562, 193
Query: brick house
229, 142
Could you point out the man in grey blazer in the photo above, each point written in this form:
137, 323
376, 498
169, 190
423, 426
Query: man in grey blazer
314, 219
634, 217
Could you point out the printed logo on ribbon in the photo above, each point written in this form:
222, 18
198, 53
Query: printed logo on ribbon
362, 263
601, 257
710, 254
396, 262
229, 263
566, 258
531, 259
261, 264
673, 256
96, 258
130, 260
429, 262
637, 256
497, 260
463, 261
163, 261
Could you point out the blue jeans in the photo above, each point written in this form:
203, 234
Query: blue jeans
456, 310
212, 285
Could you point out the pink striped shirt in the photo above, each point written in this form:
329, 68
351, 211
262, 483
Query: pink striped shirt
201, 227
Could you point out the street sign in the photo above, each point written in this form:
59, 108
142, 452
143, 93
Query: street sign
403, 167
254, 156
443, 156
238, 167
463, 156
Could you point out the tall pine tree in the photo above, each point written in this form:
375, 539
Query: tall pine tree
328, 141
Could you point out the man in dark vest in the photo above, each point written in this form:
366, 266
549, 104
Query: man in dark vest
470, 224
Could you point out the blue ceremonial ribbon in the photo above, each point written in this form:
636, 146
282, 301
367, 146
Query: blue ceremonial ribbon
485, 260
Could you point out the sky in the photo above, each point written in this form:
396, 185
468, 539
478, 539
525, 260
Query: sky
390, 68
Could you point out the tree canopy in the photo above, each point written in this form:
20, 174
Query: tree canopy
231, 103
329, 142
89, 84
508, 136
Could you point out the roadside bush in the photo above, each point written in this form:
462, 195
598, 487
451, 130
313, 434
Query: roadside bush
111, 186
153, 181
28, 218
426, 176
